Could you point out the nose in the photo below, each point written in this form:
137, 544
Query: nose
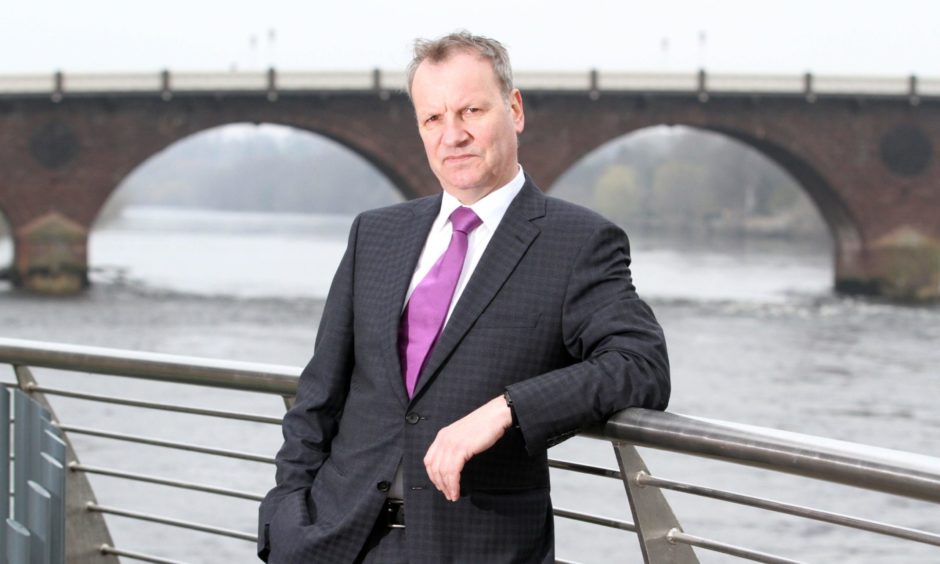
455, 134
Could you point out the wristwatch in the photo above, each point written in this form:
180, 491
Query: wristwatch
512, 409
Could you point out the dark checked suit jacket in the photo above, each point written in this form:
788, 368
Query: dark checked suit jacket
550, 314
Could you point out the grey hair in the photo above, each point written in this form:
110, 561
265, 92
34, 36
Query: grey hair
441, 49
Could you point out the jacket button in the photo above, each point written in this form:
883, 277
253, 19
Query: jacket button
383, 486
412, 418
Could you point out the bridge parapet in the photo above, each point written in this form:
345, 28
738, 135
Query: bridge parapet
377, 79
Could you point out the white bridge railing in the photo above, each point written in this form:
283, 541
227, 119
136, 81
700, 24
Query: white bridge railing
273, 81
656, 526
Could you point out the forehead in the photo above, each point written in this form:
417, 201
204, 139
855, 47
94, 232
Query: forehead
461, 74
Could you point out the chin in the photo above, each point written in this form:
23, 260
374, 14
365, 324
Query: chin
464, 185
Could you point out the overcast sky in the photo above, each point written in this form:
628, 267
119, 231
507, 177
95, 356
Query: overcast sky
793, 36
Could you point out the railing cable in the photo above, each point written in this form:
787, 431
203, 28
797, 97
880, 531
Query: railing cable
108, 549
91, 506
255, 418
75, 467
167, 444
584, 468
595, 520
676, 536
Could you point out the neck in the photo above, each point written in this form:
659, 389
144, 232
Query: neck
471, 197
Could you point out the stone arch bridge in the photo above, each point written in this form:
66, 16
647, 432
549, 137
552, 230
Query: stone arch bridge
863, 149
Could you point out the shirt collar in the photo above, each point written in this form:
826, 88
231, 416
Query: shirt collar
490, 208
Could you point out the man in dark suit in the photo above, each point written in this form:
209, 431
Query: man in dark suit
463, 335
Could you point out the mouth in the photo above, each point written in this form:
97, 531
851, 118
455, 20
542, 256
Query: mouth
458, 159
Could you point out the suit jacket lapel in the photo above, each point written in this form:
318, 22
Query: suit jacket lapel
504, 251
406, 241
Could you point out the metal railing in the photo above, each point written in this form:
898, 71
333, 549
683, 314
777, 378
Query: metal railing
655, 524
272, 82
32, 528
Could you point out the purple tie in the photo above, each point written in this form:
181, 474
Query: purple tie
423, 318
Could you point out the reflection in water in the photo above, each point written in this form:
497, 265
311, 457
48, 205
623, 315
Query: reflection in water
755, 336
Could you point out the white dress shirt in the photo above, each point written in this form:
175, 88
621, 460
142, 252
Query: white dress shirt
491, 209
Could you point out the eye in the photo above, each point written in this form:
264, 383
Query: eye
471, 110
431, 119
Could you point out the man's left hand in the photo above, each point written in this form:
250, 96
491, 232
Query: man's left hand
462, 440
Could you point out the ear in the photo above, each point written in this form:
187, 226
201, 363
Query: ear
515, 108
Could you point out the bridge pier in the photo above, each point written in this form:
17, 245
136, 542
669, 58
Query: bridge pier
51, 255
903, 265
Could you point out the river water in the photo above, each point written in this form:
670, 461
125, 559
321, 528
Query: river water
755, 335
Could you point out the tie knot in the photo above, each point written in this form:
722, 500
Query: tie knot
464, 220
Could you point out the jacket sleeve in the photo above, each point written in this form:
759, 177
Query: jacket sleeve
614, 334
310, 425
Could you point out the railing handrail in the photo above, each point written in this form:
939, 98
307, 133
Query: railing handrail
881, 469
854, 464
246, 376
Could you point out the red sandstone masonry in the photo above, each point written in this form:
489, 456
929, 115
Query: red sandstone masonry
832, 147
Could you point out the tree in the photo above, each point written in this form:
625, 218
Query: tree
617, 195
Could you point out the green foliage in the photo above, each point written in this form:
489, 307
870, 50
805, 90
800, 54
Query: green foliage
617, 195
682, 179
682, 189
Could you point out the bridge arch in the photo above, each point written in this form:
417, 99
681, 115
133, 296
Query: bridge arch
380, 162
843, 151
258, 203
843, 228
827, 203
275, 156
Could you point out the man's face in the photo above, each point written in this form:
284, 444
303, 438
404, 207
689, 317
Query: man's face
468, 129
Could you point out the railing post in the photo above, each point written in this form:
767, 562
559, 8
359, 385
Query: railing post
58, 86
4, 463
702, 86
166, 85
808, 92
23, 414
85, 531
39, 522
53, 444
17, 548
53, 480
272, 84
652, 514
